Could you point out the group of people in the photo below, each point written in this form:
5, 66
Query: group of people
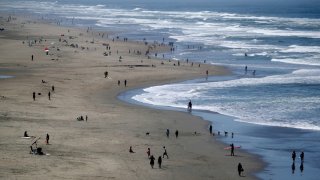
80, 118
49, 93
152, 158
293, 156
246, 71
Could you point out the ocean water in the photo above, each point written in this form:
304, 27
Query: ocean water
272, 112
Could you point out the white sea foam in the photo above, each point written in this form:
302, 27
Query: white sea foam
314, 61
302, 49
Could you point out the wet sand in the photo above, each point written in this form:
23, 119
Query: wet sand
98, 148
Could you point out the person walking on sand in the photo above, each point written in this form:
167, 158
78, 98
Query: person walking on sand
125, 83
159, 161
210, 129
232, 149
86, 118
293, 155
190, 106
52, 88
148, 152
165, 153
118, 82
106, 74
47, 138
32, 57
49, 95
302, 156
152, 161
177, 133
240, 169
168, 133
34, 96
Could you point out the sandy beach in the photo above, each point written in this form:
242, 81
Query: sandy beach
98, 148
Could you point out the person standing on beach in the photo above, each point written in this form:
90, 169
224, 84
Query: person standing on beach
118, 82
148, 152
106, 74
232, 149
210, 129
240, 169
190, 106
293, 155
47, 139
152, 161
32, 57
86, 118
34, 96
302, 156
168, 133
125, 83
165, 153
159, 161
52, 88
49, 95
177, 133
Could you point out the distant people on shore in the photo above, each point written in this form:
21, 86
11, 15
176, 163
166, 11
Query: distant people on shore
152, 161
47, 138
240, 169
34, 96
125, 83
168, 133
159, 161
165, 153
210, 129
293, 155
232, 149
302, 156
177, 133
106, 74
190, 106
148, 152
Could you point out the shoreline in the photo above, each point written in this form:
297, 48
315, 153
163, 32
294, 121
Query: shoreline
99, 148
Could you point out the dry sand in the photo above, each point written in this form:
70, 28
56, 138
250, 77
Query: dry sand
98, 148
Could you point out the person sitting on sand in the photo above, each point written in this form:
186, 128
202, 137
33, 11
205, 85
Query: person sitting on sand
25, 134
130, 149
